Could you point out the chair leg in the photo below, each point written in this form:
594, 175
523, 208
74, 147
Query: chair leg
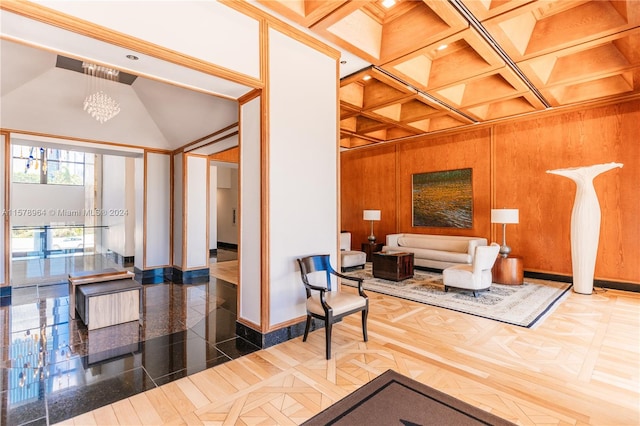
446, 288
328, 326
475, 293
365, 313
306, 328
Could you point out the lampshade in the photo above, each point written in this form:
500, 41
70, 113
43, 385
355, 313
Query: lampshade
371, 215
504, 216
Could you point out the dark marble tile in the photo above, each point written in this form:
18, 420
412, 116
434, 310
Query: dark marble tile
185, 328
191, 370
236, 347
218, 326
186, 354
76, 400
22, 411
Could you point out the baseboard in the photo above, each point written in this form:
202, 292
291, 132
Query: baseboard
613, 285
194, 276
275, 337
227, 246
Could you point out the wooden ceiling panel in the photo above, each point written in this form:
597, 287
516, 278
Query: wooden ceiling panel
586, 61
438, 65
303, 12
380, 34
490, 8
450, 60
543, 27
483, 90
625, 83
523, 104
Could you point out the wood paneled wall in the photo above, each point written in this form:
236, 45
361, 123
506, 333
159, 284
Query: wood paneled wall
509, 164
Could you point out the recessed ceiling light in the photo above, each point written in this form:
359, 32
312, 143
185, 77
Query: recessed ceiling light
388, 3
132, 57
442, 46
366, 77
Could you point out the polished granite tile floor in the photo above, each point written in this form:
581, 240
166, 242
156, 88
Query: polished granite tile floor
52, 368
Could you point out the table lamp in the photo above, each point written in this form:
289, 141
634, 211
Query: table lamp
371, 215
504, 216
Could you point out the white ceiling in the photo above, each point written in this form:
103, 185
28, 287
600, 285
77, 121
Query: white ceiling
38, 97
167, 106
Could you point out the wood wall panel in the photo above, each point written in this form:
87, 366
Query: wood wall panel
457, 151
526, 150
368, 182
512, 174
231, 155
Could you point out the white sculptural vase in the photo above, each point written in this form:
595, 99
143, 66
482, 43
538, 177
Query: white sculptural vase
585, 223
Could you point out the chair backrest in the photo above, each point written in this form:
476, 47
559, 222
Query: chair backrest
345, 241
485, 257
318, 263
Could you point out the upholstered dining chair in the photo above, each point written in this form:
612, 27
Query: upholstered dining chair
474, 277
325, 304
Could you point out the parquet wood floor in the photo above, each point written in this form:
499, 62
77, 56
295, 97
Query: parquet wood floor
580, 366
227, 271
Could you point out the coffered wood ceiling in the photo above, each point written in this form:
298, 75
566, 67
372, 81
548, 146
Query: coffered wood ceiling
438, 65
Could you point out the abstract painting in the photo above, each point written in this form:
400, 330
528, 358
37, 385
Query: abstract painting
443, 199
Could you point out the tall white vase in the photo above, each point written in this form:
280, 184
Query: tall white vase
585, 223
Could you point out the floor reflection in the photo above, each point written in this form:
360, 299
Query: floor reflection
52, 368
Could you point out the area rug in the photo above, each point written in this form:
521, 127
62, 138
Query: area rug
522, 305
394, 399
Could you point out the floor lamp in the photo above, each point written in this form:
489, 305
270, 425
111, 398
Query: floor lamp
504, 216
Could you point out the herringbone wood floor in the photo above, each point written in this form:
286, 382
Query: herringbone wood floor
580, 366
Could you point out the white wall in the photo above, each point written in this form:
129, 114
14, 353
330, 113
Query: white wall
227, 204
213, 213
196, 212
302, 167
118, 194
62, 204
113, 197
250, 250
130, 203
2, 208
178, 182
158, 210
139, 213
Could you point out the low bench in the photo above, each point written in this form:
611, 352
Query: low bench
106, 298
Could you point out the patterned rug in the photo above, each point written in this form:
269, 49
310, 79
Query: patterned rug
522, 305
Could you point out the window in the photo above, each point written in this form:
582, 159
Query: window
49, 166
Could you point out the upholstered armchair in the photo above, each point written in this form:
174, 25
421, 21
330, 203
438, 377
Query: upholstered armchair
350, 258
329, 306
474, 277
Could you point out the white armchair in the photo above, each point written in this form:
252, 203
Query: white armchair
476, 276
350, 258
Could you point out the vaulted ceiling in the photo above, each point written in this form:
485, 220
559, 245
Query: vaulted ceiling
438, 65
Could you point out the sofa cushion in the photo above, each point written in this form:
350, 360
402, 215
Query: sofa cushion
441, 255
445, 244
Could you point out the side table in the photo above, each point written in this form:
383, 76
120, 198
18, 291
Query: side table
369, 248
508, 270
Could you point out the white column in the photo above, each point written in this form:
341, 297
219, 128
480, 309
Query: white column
157, 210
250, 251
585, 223
195, 213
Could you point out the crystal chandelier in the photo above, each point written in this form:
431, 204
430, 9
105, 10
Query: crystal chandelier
98, 103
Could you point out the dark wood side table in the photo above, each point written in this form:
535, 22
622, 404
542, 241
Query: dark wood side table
508, 270
395, 266
371, 248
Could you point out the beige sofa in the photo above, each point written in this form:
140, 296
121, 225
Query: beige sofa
435, 251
